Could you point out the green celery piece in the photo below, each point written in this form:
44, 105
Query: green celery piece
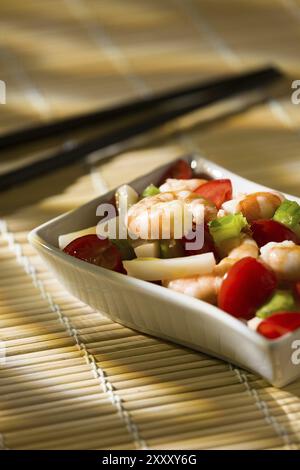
151, 190
229, 226
126, 250
288, 214
281, 301
171, 249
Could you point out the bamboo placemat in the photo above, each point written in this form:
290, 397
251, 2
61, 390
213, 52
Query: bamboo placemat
73, 379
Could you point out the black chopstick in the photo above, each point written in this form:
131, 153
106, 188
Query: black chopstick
176, 108
55, 128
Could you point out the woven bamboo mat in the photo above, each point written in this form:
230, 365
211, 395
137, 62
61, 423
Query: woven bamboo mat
72, 378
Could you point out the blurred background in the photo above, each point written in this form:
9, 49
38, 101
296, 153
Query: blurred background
60, 57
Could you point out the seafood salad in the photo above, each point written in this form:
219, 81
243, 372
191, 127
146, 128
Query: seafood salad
199, 237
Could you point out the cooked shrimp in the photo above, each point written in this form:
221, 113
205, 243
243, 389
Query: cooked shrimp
261, 205
155, 214
283, 258
223, 266
181, 185
239, 247
206, 287
246, 247
201, 287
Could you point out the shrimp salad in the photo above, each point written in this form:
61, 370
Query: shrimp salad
246, 259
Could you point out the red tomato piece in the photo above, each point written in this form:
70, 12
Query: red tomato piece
217, 191
268, 230
279, 324
180, 170
247, 285
93, 250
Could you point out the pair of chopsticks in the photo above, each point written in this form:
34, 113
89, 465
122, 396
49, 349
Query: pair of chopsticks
162, 107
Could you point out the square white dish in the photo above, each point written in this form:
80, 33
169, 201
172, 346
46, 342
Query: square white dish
158, 311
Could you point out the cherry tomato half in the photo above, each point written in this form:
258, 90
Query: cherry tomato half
279, 324
247, 285
217, 191
267, 230
92, 249
180, 170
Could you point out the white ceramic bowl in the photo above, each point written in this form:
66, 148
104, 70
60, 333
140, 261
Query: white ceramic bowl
162, 312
